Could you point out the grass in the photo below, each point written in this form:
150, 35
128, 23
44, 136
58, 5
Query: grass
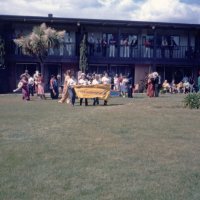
132, 149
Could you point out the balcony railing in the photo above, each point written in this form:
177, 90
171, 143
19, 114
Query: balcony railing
64, 50
140, 51
124, 52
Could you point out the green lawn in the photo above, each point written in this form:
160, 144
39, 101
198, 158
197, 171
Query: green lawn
133, 149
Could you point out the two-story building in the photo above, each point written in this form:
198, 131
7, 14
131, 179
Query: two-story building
114, 46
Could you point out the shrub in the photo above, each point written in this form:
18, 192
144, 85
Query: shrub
192, 101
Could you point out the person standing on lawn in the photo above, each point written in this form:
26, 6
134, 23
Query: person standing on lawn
65, 94
106, 80
83, 81
150, 86
31, 84
96, 81
54, 87
71, 82
41, 93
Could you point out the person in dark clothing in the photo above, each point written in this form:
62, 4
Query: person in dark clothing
54, 87
130, 86
156, 86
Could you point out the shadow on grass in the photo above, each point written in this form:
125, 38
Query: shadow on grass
100, 105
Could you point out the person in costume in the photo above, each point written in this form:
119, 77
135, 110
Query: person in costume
23, 86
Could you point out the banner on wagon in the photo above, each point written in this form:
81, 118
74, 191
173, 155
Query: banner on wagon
92, 91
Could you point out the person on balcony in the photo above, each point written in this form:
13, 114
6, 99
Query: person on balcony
68, 42
121, 47
147, 45
98, 45
126, 48
133, 44
61, 43
18, 50
91, 42
104, 46
164, 45
112, 44
172, 44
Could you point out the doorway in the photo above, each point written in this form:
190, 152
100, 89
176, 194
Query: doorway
53, 69
21, 67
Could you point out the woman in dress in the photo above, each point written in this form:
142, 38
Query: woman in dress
41, 86
150, 86
124, 87
23, 85
116, 83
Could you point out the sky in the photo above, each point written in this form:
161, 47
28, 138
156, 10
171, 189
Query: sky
180, 11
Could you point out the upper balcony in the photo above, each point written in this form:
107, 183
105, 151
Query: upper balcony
67, 52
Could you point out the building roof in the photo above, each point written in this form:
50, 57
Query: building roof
101, 22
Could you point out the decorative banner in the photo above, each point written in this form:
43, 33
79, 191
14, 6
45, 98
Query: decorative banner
93, 91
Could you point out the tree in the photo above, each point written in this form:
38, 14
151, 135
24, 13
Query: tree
39, 41
83, 62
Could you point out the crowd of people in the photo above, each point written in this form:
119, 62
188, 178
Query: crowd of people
154, 85
35, 84
186, 85
30, 85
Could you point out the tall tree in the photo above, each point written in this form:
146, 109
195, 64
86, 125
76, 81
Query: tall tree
83, 61
39, 41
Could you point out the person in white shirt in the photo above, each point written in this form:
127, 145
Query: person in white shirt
83, 81
105, 79
71, 82
35, 76
124, 88
96, 81
31, 84
116, 83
